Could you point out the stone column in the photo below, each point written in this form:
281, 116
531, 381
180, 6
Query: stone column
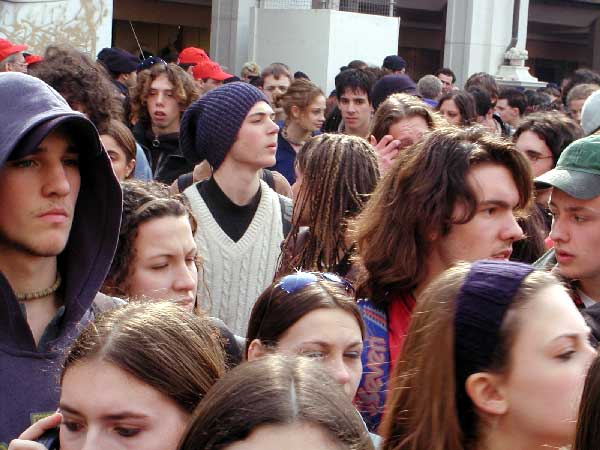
477, 35
229, 30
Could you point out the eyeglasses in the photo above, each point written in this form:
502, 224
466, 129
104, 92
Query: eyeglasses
535, 156
149, 62
291, 283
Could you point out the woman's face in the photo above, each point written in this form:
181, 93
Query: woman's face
312, 117
549, 360
536, 151
164, 262
118, 157
332, 337
409, 130
451, 113
296, 435
106, 408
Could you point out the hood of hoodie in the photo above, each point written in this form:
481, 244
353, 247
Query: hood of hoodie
31, 110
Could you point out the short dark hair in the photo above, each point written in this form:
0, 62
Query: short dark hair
355, 80
277, 70
274, 390
515, 99
483, 102
483, 81
580, 76
555, 128
446, 71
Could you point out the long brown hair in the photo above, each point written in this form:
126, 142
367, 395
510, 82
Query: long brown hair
587, 437
173, 351
274, 391
417, 198
401, 106
422, 411
339, 173
301, 94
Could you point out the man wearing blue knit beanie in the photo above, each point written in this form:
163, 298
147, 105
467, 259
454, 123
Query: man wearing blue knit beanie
240, 225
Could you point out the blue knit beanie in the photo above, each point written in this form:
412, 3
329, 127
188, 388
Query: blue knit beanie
210, 125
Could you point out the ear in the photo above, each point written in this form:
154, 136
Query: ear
486, 393
256, 350
130, 168
295, 111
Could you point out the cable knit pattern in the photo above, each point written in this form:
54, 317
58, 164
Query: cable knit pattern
237, 272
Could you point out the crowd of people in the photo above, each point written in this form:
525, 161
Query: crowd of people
195, 260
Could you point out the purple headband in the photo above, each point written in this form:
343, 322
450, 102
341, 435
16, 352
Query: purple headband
484, 297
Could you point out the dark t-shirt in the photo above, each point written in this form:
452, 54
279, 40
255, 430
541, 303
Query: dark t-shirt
234, 220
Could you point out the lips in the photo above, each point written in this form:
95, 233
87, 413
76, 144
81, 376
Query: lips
54, 215
563, 257
504, 254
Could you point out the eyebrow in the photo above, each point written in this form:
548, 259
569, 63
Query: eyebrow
499, 203
117, 416
261, 114
325, 344
576, 208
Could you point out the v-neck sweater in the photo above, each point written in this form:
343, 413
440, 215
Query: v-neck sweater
234, 273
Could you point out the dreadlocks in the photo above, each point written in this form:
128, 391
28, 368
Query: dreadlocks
339, 173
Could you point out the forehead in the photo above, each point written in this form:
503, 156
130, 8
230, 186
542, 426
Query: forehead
354, 94
531, 140
329, 325
562, 199
272, 81
493, 182
161, 82
260, 108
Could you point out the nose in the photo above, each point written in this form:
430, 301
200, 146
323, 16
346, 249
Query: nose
339, 371
160, 98
57, 182
186, 278
274, 127
93, 440
558, 232
512, 231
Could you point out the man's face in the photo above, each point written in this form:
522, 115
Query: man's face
493, 228
163, 108
575, 107
576, 235
18, 65
275, 87
447, 84
209, 84
507, 113
38, 195
356, 111
256, 142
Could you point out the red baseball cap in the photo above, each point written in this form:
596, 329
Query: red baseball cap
209, 69
7, 48
32, 59
192, 55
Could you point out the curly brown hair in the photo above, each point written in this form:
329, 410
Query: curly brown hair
184, 88
84, 84
339, 173
142, 201
417, 197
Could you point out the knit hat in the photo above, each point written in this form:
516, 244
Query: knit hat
118, 60
210, 125
394, 62
590, 113
392, 84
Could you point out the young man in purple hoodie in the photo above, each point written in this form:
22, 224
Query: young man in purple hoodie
61, 208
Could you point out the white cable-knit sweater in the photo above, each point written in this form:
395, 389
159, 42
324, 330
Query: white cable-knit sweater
236, 273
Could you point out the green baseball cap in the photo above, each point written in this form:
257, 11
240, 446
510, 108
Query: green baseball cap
577, 171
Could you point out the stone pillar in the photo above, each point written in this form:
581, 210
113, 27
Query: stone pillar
229, 32
595, 41
477, 35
